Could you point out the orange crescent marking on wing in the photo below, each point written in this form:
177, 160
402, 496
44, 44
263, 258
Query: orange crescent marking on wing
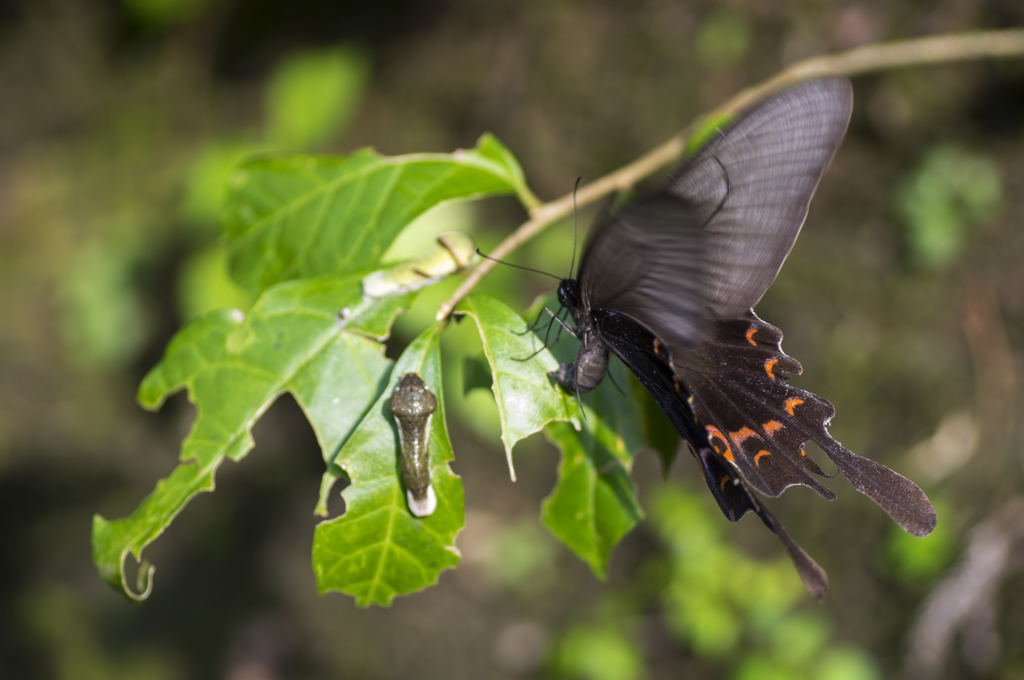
713, 432
802, 452
724, 480
791, 403
772, 426
657, 347
768, 366
750, 334
757, 458
743, 434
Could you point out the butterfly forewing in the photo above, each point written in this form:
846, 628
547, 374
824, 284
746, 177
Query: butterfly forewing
649, 247
752, 186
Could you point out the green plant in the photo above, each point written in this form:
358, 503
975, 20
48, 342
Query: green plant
302, 232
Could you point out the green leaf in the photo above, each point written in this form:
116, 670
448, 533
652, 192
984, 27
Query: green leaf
951, 192
919, 561
293, 216
234, 366
166, 12
488, 147
527, 399
520, 556
378, 549
716, 591
104, 322
204, 285
594, 501
724, 39
476, 374
658, 432
846, 663
58, 622
599, 653
312, 95
206, 180
759, 666
798, 639
421, 235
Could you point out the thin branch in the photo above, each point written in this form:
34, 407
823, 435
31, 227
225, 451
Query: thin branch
994, 393
920, 52
966, 599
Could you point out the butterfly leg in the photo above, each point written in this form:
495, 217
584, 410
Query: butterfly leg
536, 322
556, 317
558, 335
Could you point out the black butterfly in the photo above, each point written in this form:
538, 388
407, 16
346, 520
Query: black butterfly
668, 285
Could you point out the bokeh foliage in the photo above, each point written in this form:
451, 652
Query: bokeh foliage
104, 188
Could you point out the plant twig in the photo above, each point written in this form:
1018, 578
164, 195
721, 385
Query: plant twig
919, 52
966, 599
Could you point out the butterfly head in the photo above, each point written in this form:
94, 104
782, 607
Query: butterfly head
568, 293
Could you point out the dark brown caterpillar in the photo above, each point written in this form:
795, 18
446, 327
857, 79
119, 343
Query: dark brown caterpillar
413, 405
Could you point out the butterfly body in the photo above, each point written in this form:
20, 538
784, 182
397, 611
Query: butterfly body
591, 363
668, 286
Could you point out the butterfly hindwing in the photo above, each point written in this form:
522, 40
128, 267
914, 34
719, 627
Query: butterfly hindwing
648, 358
738, 379
755, 419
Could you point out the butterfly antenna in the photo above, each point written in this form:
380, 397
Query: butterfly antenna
575, 224
516, 266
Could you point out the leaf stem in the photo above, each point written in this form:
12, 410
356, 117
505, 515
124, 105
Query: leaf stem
919, 52
528, 199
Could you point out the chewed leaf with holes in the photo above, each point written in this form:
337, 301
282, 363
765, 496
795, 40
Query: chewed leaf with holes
526, 397
298, 216
378, 548
594, 501
315, 338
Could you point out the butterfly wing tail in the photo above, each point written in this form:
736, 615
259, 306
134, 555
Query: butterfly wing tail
901, 499
764, 423
736, 499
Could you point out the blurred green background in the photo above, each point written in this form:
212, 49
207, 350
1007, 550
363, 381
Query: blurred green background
904, 300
